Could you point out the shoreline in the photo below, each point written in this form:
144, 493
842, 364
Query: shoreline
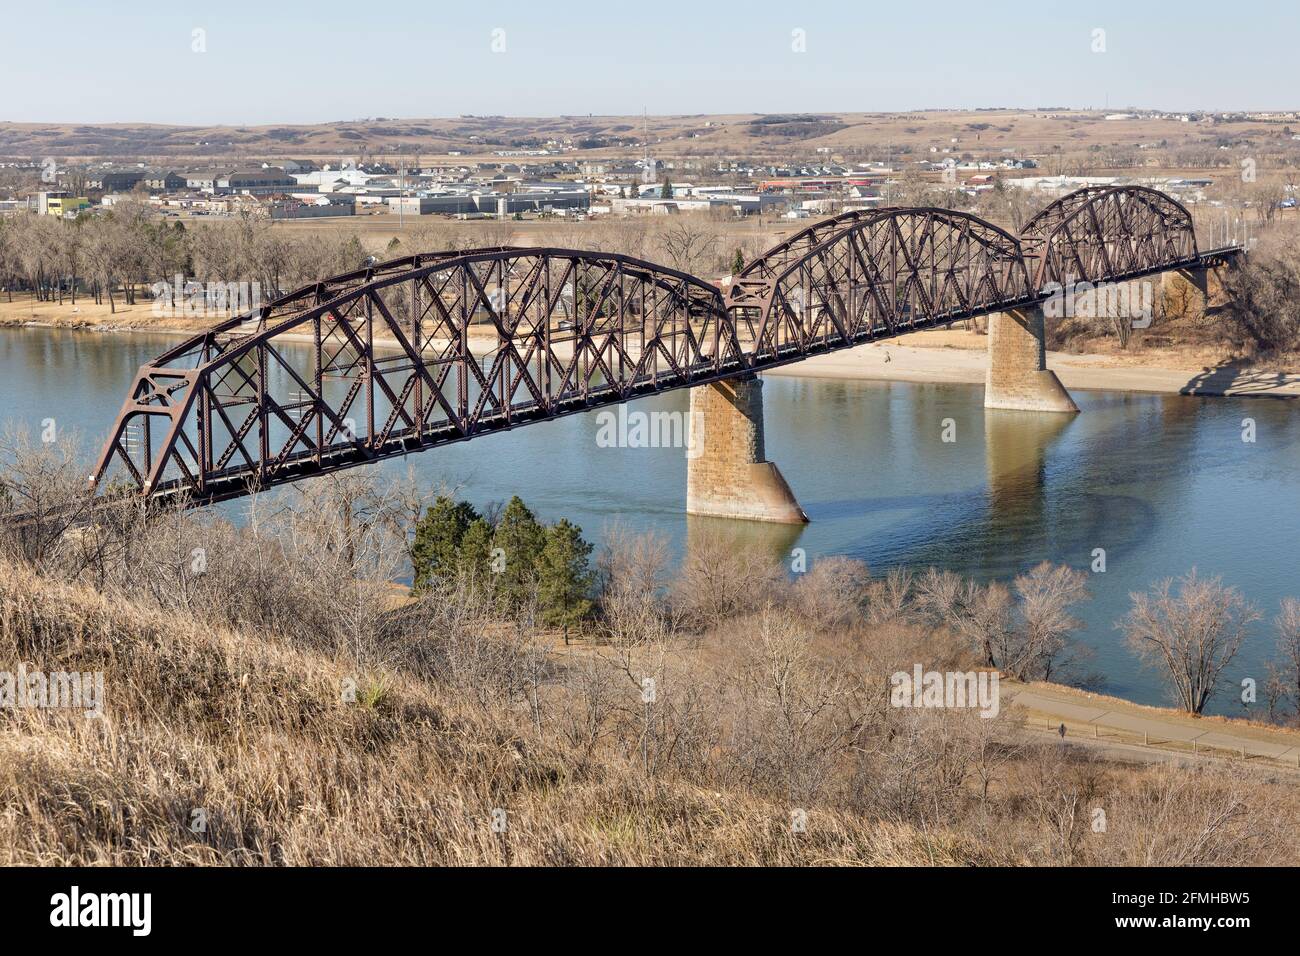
959, 358
934, 357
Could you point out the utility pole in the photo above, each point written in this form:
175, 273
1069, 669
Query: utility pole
401, 202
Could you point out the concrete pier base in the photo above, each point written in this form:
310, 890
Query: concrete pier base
726, 474
1018, 376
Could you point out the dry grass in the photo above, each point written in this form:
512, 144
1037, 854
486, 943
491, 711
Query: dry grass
254, 732
256, 735
311, 719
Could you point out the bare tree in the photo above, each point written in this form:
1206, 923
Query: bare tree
1263, 296
1038, 647
1194, 633
833, 592
42, 500
984, 618
690, 244
1287, 625
799, 712
891, 600
633, 582
721, 576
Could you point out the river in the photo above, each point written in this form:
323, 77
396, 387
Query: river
1162, 483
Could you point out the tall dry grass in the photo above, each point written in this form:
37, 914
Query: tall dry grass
255, 734
279, 707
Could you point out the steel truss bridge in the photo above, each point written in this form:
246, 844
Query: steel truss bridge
442, 347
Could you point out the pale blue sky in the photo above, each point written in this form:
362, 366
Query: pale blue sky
276, 62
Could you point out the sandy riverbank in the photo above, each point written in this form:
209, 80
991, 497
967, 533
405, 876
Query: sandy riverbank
940, 356
960, 357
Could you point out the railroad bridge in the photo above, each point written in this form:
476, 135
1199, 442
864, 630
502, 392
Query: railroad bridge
443, 347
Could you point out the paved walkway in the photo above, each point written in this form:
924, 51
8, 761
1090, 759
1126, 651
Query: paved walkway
1103, 721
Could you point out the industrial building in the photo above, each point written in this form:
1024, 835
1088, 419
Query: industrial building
485, 201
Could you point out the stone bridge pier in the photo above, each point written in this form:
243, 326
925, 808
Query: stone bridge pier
726, 474
1018, 376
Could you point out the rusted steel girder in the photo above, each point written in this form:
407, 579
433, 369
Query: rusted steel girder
884, 273
1108, 234
384, 361
441, 347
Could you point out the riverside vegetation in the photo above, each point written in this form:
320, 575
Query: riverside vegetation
121, 254
272, 698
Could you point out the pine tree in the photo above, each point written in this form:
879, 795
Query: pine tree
436, 550
475, 560
737, 263
565, 578
521, 538
666, 191
453, 541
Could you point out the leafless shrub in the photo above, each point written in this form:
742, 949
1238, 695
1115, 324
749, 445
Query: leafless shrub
1188, 817
1263, 297
722, 577
940, 595
799, 714
633, 580
833, 593
42, 500
1062, 792
891, 600
1287, 626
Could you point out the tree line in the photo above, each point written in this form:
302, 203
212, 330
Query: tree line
113, 254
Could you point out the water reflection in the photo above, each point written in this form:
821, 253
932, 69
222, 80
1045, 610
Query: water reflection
772, 539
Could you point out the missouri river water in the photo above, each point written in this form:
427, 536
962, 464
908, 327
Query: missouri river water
1161, 483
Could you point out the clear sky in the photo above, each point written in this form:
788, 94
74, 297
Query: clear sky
281, 62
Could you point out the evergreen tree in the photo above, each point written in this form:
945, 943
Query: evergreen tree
565, 576
666, 190
476, 551
519, 535
737, 263
436, 551
452, 540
